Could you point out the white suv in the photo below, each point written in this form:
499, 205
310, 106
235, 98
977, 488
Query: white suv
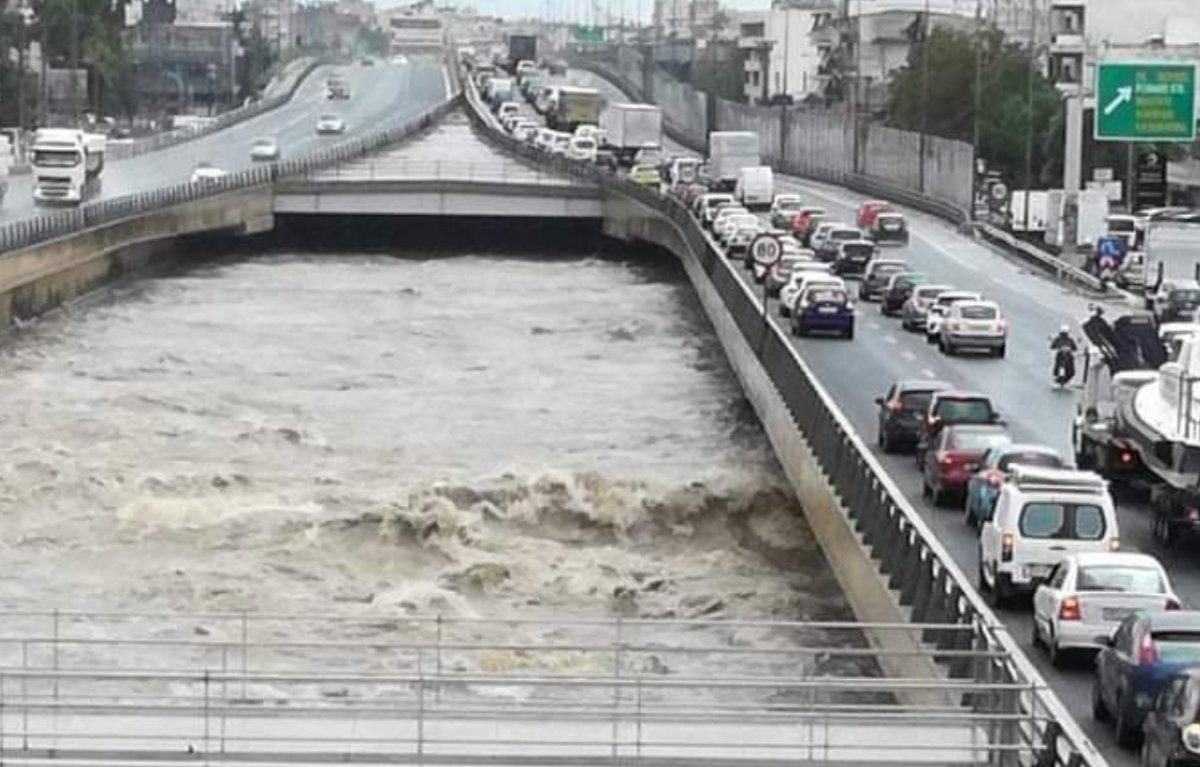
1042, 516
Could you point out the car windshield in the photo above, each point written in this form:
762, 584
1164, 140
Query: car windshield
1177, 646
264, 142
887, 269
890, 222
928, 294
858, 249
970, 439
1073, 521
827, 295
964, 410
1189, 296
845, 234
55, 159
1030, 458
979, 312
1140, 580
1121, 225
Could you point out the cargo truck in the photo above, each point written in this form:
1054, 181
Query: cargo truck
66, 164
631, 128
571, 107
520, 48
728, 153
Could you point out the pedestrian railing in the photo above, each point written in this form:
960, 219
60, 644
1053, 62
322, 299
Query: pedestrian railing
909, 555
383, 168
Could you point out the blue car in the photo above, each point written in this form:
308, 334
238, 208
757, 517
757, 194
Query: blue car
823, 308
994, 468
1145, 651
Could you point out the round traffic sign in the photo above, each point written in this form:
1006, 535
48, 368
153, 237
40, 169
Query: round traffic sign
766, 250
999, 191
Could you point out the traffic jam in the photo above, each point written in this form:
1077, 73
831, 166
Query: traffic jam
1046, 525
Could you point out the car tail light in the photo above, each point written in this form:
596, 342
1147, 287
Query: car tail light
1001, 326
1114, 543
1069, 609
995, 478
946, 459
1192, 514
895, 406
1172, 604
1007, 541
1147, 652
1125, 457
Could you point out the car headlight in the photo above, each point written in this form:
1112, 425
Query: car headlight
1191, 737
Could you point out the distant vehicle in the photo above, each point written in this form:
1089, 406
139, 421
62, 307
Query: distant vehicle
876, 276
954, 455
755, 187
888, 227
206, 173
522, 49
823, 308
646, 175
897, 290
1043, 516
337, 89
915, 310
631, 128
784, 208
806, 222
706, 206
941, 306
902, 410
582, 149
852, 255
801, 281
781, 272
726, 226
399, 59
727, 216
264, 150
973, 325
868, 210
1176, 301
949, 408
994, 470
508, 108
330, 124
739, 239
524, 130
1143, 655
545, 139
1088, 595
526, 67
729, 152
368, 62
830, 245
561, 143
66, 164
574, 107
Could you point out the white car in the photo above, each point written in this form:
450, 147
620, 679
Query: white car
821, 233
741, 235
723, 227
545, 139
801, 280
560, 144
524, 130
939, 307
330, 124
1172, 335
973, 325
706, 205
721, 219
583, 149
264, 150
1087, 595
1041, 517
399, 59
207, 173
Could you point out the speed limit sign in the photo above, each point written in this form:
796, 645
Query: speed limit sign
766, 250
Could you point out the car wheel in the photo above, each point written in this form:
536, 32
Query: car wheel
784, 311
1099, 710
1035, 636
1127, 734
801, 330
926, 490
1000, 352
968, 512
1053, 652
930, 339
885, 442
939, 496
999, 593
850, 333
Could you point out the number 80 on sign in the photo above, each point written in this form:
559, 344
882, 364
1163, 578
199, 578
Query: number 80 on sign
766, 250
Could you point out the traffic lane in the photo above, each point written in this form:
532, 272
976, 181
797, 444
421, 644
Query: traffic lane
377, 94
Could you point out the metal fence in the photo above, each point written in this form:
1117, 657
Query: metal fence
386, 168
167, 688
909, 554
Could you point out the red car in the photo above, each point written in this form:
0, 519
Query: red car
868, 210
802, 222
954, 457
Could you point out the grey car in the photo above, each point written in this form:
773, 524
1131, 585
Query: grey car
876, 276
916, 308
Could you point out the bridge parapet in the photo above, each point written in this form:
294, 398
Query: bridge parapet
908, 559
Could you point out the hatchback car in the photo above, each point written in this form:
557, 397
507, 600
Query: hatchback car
897, 290
916, 309
869, 210
264, 150
828, 246
328, 125
954, 455
823, 308
707, 204
853, 256
206, 173
876, 276
994, 469
784, 208
949, 408
901, 411
1088, 595
940, 306
1171, 730
1136, 662
973, 325
781, 272
889, 227
800, 281
804, 222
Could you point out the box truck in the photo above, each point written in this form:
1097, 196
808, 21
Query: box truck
728, 153
631, 128
571, 107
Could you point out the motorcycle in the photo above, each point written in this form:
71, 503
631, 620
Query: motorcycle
1064, 367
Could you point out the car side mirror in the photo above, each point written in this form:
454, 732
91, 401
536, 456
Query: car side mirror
879, 401
997, 419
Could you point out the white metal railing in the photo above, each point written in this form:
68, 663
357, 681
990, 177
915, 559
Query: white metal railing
496, 169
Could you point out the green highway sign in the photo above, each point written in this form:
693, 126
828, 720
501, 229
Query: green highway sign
584, 34
1145, 101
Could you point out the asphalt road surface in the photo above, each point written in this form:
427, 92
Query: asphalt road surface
378, 94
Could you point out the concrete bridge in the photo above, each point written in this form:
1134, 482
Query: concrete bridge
894, 568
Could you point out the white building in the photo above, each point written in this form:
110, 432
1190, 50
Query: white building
780, 57
684, 19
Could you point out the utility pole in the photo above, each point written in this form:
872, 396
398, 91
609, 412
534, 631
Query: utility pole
924, 96
45, 84
975, 123
1029, 75
74, 61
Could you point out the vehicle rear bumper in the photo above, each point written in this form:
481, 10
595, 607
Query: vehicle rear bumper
814, 321
970, 339
1078, 635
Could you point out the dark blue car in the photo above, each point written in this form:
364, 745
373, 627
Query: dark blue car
823, 308
1145, 651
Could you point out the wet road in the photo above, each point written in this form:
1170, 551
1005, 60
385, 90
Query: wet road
379, 94
472, 436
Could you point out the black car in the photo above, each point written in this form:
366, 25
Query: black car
1177, 302
1171, 730
853, 257
897, 291
901, 411
890, 227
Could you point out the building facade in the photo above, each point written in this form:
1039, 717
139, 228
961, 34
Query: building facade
780, 59
183, 68
686, 20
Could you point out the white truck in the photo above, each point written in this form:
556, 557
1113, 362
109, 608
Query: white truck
631, 128
728, 153
66, 164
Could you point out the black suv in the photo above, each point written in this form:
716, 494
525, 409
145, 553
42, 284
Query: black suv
901, 411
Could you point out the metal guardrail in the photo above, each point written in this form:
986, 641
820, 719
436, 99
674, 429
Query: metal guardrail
910, 556
416, 169
1047, 262
32, 231
248, 687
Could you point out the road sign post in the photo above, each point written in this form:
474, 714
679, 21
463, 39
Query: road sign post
765, 251
1145, 101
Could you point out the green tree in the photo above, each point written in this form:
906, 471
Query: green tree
1005, 115
97, 26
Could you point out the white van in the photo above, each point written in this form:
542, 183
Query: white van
755, 187
1043, 515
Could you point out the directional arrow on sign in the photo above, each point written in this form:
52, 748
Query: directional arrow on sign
1124, 94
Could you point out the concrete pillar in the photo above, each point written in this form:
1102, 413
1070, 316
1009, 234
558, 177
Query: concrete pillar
1072, 172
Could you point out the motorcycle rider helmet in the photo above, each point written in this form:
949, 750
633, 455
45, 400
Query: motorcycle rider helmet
1065, 329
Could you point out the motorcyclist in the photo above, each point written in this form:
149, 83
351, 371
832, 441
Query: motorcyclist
1064, 349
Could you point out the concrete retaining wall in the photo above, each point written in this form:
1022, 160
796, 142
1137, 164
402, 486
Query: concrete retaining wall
41, 277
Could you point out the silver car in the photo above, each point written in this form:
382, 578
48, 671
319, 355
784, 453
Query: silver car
973, 325
916, 308
264, 150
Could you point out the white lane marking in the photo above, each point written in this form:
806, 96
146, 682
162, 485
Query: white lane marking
873, 325
446, 79
928, 374
890, 339
908, 356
